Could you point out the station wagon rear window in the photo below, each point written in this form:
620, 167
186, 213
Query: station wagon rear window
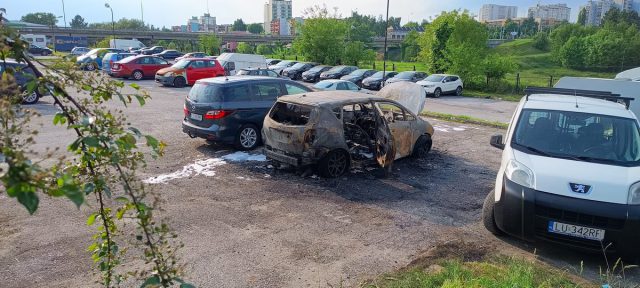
205, 93
290, 114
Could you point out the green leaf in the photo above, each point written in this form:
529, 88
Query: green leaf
91, 141
75, 145
153, 280
135, 86
91, 219
89, 188
59, 118
29, 200
141, 100
87, 87
122, 199
187, 285
73, 192
152, 142
136, 131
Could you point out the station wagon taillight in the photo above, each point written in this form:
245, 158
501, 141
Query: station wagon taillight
185, 110
217, 114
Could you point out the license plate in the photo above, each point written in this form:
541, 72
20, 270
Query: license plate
196, 117
576, 231
280, 136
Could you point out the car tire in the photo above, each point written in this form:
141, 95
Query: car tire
335, 164
248, 137
437, 93
31, 99
422, 147
179, 82
459, 91
137, 75
91, 67
488, 218
44, 53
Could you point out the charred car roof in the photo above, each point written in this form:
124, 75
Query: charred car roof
330, 98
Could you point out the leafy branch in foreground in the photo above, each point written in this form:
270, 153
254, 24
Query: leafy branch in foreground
106, 156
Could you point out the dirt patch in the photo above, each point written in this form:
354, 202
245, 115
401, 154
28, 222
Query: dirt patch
467, 251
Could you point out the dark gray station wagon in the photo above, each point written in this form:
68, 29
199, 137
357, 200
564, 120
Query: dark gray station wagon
232, 110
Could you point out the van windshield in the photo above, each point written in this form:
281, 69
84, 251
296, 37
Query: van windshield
205, 93
290, 114
579, 136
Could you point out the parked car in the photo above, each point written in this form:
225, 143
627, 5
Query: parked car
375, 81
79, 51
135, 50
193, 55
313, 75
169, 54
438, 84
337, 72
92, 60
407, 76
151, 50
295, 72
257, 72
23, 75
231, 110
232, 62
333, 84
110, 58
282, 65
37, 50
188, 71
138, 67
334, 129
570, 172
359, 75
272, 61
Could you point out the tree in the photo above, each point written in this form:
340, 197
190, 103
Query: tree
510, 26
541, 41
496, 67
106, 153
264, 49
78, 22
322, 40
573, 53
244, 48
410, 46
529, 27
122, 24
582, 17
255, 28
42, 18
355, 52
239, 25
104, 43
317, 11
209, 44
411, 25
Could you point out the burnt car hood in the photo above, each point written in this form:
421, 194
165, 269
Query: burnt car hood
410, 95
169, 69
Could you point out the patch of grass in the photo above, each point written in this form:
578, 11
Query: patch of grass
499, 271
465, 119
493, 95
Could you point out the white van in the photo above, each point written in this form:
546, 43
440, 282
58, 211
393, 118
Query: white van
570, 172
631, 74
34, 39
623, 87
125, 44
233, 62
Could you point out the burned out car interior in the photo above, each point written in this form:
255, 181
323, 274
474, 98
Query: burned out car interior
360, 130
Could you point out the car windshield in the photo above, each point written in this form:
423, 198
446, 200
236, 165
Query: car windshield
434, 78
336, 69
579, 136
317, 69
323, 85
379, 74
405, 75
358, 72
284, 63
205, 93
298, 66
181, 64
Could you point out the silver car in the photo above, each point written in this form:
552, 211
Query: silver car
333, 129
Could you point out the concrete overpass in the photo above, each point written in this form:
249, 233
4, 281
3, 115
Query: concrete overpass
149, 37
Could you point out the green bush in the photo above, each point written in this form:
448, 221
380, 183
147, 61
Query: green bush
264, 49
541, 41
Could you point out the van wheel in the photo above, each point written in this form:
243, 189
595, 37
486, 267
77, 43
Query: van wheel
488, 218
459, 91
179, 82
422, 147
29, 99
334, 164
437, 93
137, 75
248, 138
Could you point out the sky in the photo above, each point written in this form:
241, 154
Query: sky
176, 12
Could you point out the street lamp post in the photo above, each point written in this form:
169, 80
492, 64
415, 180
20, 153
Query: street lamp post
384, 56
113, 25
64, 14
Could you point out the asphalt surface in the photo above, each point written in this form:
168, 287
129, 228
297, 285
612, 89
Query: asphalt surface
245, 224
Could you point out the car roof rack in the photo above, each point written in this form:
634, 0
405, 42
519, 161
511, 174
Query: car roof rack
582, 93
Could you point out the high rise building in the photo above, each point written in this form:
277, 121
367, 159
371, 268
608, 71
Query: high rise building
276, 9
595, 11
490, 12
558, 12
207, 23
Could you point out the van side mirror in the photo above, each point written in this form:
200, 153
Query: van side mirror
496, 141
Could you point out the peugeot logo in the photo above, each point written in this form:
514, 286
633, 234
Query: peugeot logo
580, 188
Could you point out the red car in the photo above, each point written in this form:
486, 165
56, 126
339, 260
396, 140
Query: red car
188, 71
138, 67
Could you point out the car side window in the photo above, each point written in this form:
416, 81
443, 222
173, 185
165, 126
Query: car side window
352, 86
453, 79
342, 86
211, 63
143, 61
271, 73
159, 61
237, 94
294, 89
392, 112
198, 64
268, 91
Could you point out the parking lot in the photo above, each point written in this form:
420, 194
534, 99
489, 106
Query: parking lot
246, 224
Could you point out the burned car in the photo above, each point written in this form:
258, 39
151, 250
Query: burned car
335, 129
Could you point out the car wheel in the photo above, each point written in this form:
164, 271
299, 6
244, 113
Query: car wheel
179, 82
91, 67
334, 164
30, 99
437, 93
488, 218
44, 53
423, 146
137, 75
248, 138
459, 91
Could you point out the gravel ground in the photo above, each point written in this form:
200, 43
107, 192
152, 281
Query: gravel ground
250, 225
